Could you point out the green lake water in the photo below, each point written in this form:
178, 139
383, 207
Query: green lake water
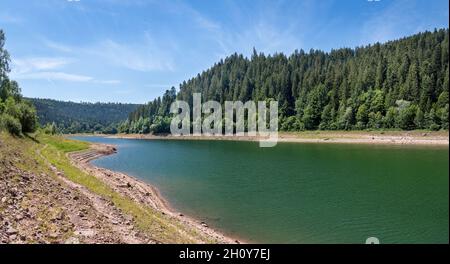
297, 193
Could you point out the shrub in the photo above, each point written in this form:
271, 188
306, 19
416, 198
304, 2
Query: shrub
434, 127
11, 124
50, 129
28, 118
406, 116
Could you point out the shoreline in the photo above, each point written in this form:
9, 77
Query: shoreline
424, 138
141, 192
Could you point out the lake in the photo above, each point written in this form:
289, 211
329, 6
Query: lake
296, 192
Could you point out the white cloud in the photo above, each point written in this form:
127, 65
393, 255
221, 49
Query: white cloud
53, 76
47, 68
145, 55
24, 65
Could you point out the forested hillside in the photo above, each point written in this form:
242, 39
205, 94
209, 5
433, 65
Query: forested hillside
70, 117
401, 84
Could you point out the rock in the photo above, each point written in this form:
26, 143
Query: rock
54, 235
129, 185
19, 217
181, 215
59, 216
4, 199
204, 224
85, 232
72, 240
11, 231
13, 191
75, 198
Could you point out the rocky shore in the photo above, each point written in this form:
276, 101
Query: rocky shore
39, 203
140, 192
42, 208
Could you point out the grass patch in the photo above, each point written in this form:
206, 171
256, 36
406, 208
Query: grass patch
148, 220
63, 144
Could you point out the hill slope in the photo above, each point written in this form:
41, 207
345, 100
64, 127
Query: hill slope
47, 198
401, 84
71, 117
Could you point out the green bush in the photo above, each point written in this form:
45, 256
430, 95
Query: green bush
28, 118
50, 129
11, 124
434, 127
406, 117
2, 106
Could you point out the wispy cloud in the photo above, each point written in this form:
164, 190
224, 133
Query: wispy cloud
147, 56
24, 65
266, 32
144, 55
57, 46
53, 76
47, 68
398, 19
265, 37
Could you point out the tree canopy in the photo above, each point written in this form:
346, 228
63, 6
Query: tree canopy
401, 84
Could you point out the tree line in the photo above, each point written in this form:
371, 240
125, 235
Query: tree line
83, 117
400, 84
17, 115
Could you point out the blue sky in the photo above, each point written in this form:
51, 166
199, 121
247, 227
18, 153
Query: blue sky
133, 50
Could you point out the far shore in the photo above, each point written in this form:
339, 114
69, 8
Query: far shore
416, 137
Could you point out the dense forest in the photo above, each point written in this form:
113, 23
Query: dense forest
17, 115
70, 117
401, 84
